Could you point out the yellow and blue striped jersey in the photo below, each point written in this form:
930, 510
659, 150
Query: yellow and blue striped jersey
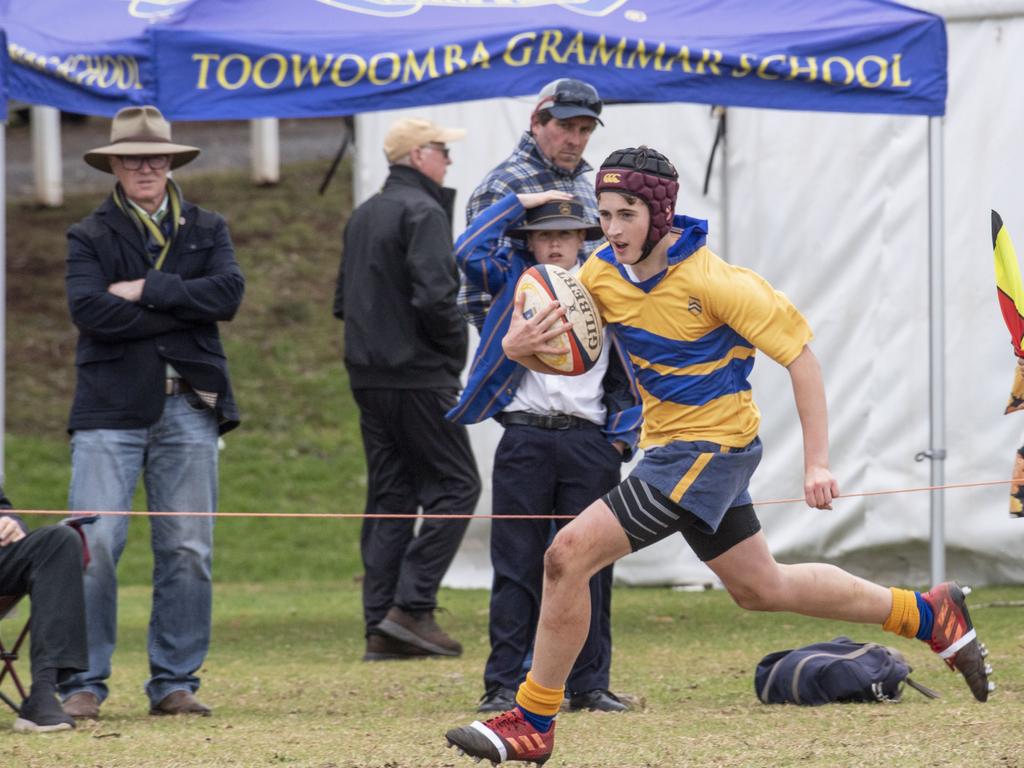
691, 332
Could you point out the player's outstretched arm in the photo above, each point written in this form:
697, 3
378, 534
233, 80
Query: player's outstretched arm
526, 337
820, 487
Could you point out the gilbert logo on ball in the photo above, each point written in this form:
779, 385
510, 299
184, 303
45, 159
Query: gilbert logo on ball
581, 345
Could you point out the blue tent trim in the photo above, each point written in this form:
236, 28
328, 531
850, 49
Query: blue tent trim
204, 59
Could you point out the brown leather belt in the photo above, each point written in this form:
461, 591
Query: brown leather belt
176, 387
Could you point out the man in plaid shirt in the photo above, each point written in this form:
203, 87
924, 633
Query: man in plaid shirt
549, 156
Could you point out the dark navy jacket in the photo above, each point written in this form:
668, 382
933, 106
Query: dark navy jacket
493, 378
124, 347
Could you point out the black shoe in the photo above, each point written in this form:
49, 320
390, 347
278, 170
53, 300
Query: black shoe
419, 629
597, 700
497, 699
384, 648
42, 713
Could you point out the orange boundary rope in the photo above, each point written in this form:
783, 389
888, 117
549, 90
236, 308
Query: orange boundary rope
355, 516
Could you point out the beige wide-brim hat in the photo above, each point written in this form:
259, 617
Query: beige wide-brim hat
140, 131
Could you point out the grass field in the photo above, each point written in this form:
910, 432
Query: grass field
288, 689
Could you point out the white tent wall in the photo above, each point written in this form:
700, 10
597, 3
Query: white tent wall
833, 209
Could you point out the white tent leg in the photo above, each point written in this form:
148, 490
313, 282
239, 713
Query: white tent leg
936, 346
266, 165
46, 156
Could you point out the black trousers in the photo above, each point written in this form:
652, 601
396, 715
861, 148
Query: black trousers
543, 472
47, 564
415, 460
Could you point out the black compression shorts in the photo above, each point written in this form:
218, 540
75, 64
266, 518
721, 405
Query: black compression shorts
647, 516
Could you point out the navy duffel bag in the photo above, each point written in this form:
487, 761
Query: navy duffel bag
839, 670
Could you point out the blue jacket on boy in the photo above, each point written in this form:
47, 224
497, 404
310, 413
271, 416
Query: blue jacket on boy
493, 378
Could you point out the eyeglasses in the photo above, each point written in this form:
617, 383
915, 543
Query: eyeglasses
134, 162
446, 151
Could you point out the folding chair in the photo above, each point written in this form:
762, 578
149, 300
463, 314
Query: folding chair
9, 656
7, 604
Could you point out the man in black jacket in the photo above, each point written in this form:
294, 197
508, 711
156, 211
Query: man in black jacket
46, 564
149, 276
405, 346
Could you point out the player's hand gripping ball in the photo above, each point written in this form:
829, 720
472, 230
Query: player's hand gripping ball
581, 345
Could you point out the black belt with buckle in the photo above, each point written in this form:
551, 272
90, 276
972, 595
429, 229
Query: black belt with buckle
547, 421
176, 387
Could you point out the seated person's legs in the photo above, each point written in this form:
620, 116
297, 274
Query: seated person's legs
47, 563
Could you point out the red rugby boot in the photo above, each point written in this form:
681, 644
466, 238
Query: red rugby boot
954, 638
506, 737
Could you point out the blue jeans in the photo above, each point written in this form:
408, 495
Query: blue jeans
177, 457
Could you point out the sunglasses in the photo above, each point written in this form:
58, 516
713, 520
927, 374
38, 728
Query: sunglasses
135, 162
446, 151
572, 93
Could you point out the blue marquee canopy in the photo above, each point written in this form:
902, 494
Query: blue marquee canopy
234, 59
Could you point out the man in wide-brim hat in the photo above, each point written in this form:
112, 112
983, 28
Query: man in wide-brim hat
149, 276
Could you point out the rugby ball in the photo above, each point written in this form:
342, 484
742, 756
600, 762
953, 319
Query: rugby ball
581, 345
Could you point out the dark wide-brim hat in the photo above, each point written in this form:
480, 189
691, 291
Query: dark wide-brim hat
556, 216
140, 131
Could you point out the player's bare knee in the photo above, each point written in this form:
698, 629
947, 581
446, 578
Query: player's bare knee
555, 562
560, 560
754, 596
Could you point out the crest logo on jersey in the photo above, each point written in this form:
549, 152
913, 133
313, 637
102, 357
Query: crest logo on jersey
695, 306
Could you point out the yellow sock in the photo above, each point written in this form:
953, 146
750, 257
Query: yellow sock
537, 699
904, 618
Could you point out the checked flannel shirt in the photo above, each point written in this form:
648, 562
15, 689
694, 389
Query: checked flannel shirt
525, 170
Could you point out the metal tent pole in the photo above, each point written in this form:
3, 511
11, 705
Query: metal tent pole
724, 238
936, 347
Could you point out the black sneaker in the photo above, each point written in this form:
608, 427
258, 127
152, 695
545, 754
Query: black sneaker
42, 713
497, 698
419, 629
597, 700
